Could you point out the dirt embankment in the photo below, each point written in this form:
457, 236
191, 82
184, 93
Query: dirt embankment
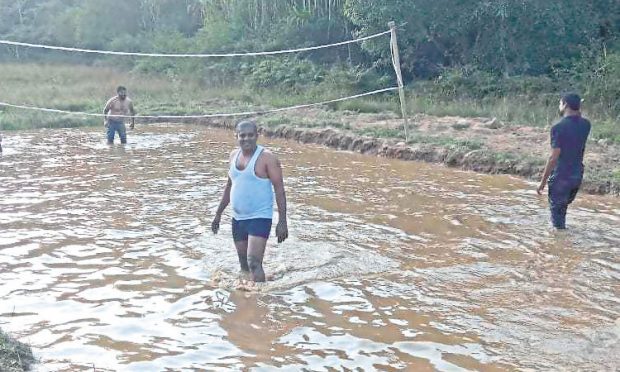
476, 144
477, 160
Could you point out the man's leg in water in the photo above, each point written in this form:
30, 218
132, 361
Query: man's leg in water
256, 251
110, 131
240, 237
122, 133
562, 192
242, 252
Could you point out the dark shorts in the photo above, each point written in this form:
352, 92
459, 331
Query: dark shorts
256, 227
116, 126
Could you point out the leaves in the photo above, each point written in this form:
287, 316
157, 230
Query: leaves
500, 37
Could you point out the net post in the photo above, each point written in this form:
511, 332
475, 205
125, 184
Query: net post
399, 76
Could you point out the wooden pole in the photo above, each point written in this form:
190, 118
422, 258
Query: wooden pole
399, 77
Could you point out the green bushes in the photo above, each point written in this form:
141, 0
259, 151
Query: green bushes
471, 83
282, 72
600, 82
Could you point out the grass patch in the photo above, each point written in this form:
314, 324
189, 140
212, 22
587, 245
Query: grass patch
606, 130
447, 142
337, 124
459, 126
509, 157
322, 121
615, 176
522, 111
515, 111
383, 132
419, 138
14, 355
368, 106
87, 88
12, 120
275, 121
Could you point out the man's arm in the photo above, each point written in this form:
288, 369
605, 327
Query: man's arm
133, 113
552, 161
274, 171
106, 109
225, 198
215, 225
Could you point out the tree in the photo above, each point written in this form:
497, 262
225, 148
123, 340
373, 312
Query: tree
507, 37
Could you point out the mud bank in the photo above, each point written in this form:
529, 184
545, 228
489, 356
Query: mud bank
486, 159
480, 160
475, 160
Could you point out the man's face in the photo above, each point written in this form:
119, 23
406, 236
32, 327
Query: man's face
122, 94
561, 108
247, 137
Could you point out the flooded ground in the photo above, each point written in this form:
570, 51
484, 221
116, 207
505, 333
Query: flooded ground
106, 262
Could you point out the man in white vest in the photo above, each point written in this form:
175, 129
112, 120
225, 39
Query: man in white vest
254, 175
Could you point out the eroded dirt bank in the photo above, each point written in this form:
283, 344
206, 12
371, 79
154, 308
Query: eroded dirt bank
476, 144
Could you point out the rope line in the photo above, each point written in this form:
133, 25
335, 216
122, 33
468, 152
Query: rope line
210, 55
218, 115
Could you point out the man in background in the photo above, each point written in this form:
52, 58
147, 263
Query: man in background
115, 111
564, 169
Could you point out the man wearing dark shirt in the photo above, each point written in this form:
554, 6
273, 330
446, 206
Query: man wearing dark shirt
564, 169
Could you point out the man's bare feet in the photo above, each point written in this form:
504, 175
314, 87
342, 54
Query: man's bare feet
248, 286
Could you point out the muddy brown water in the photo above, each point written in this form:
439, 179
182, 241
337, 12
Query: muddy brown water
107, 262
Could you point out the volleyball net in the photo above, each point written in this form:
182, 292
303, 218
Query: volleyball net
393, 47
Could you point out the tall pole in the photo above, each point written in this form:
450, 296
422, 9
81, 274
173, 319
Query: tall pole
399, 77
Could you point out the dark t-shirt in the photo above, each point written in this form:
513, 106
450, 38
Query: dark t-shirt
570, 136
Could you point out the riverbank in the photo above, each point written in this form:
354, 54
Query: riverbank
14, 355
484, 145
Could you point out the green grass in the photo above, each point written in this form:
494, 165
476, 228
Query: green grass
501, 157
607, 130
615, 176
275, 121
519, 111
383, 132
445, 141
419, 138
321, 121
368, 105
14, 356
86, 88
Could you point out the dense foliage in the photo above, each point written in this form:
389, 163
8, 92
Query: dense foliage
472, 48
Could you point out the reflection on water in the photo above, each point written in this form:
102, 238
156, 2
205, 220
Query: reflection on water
106, 260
